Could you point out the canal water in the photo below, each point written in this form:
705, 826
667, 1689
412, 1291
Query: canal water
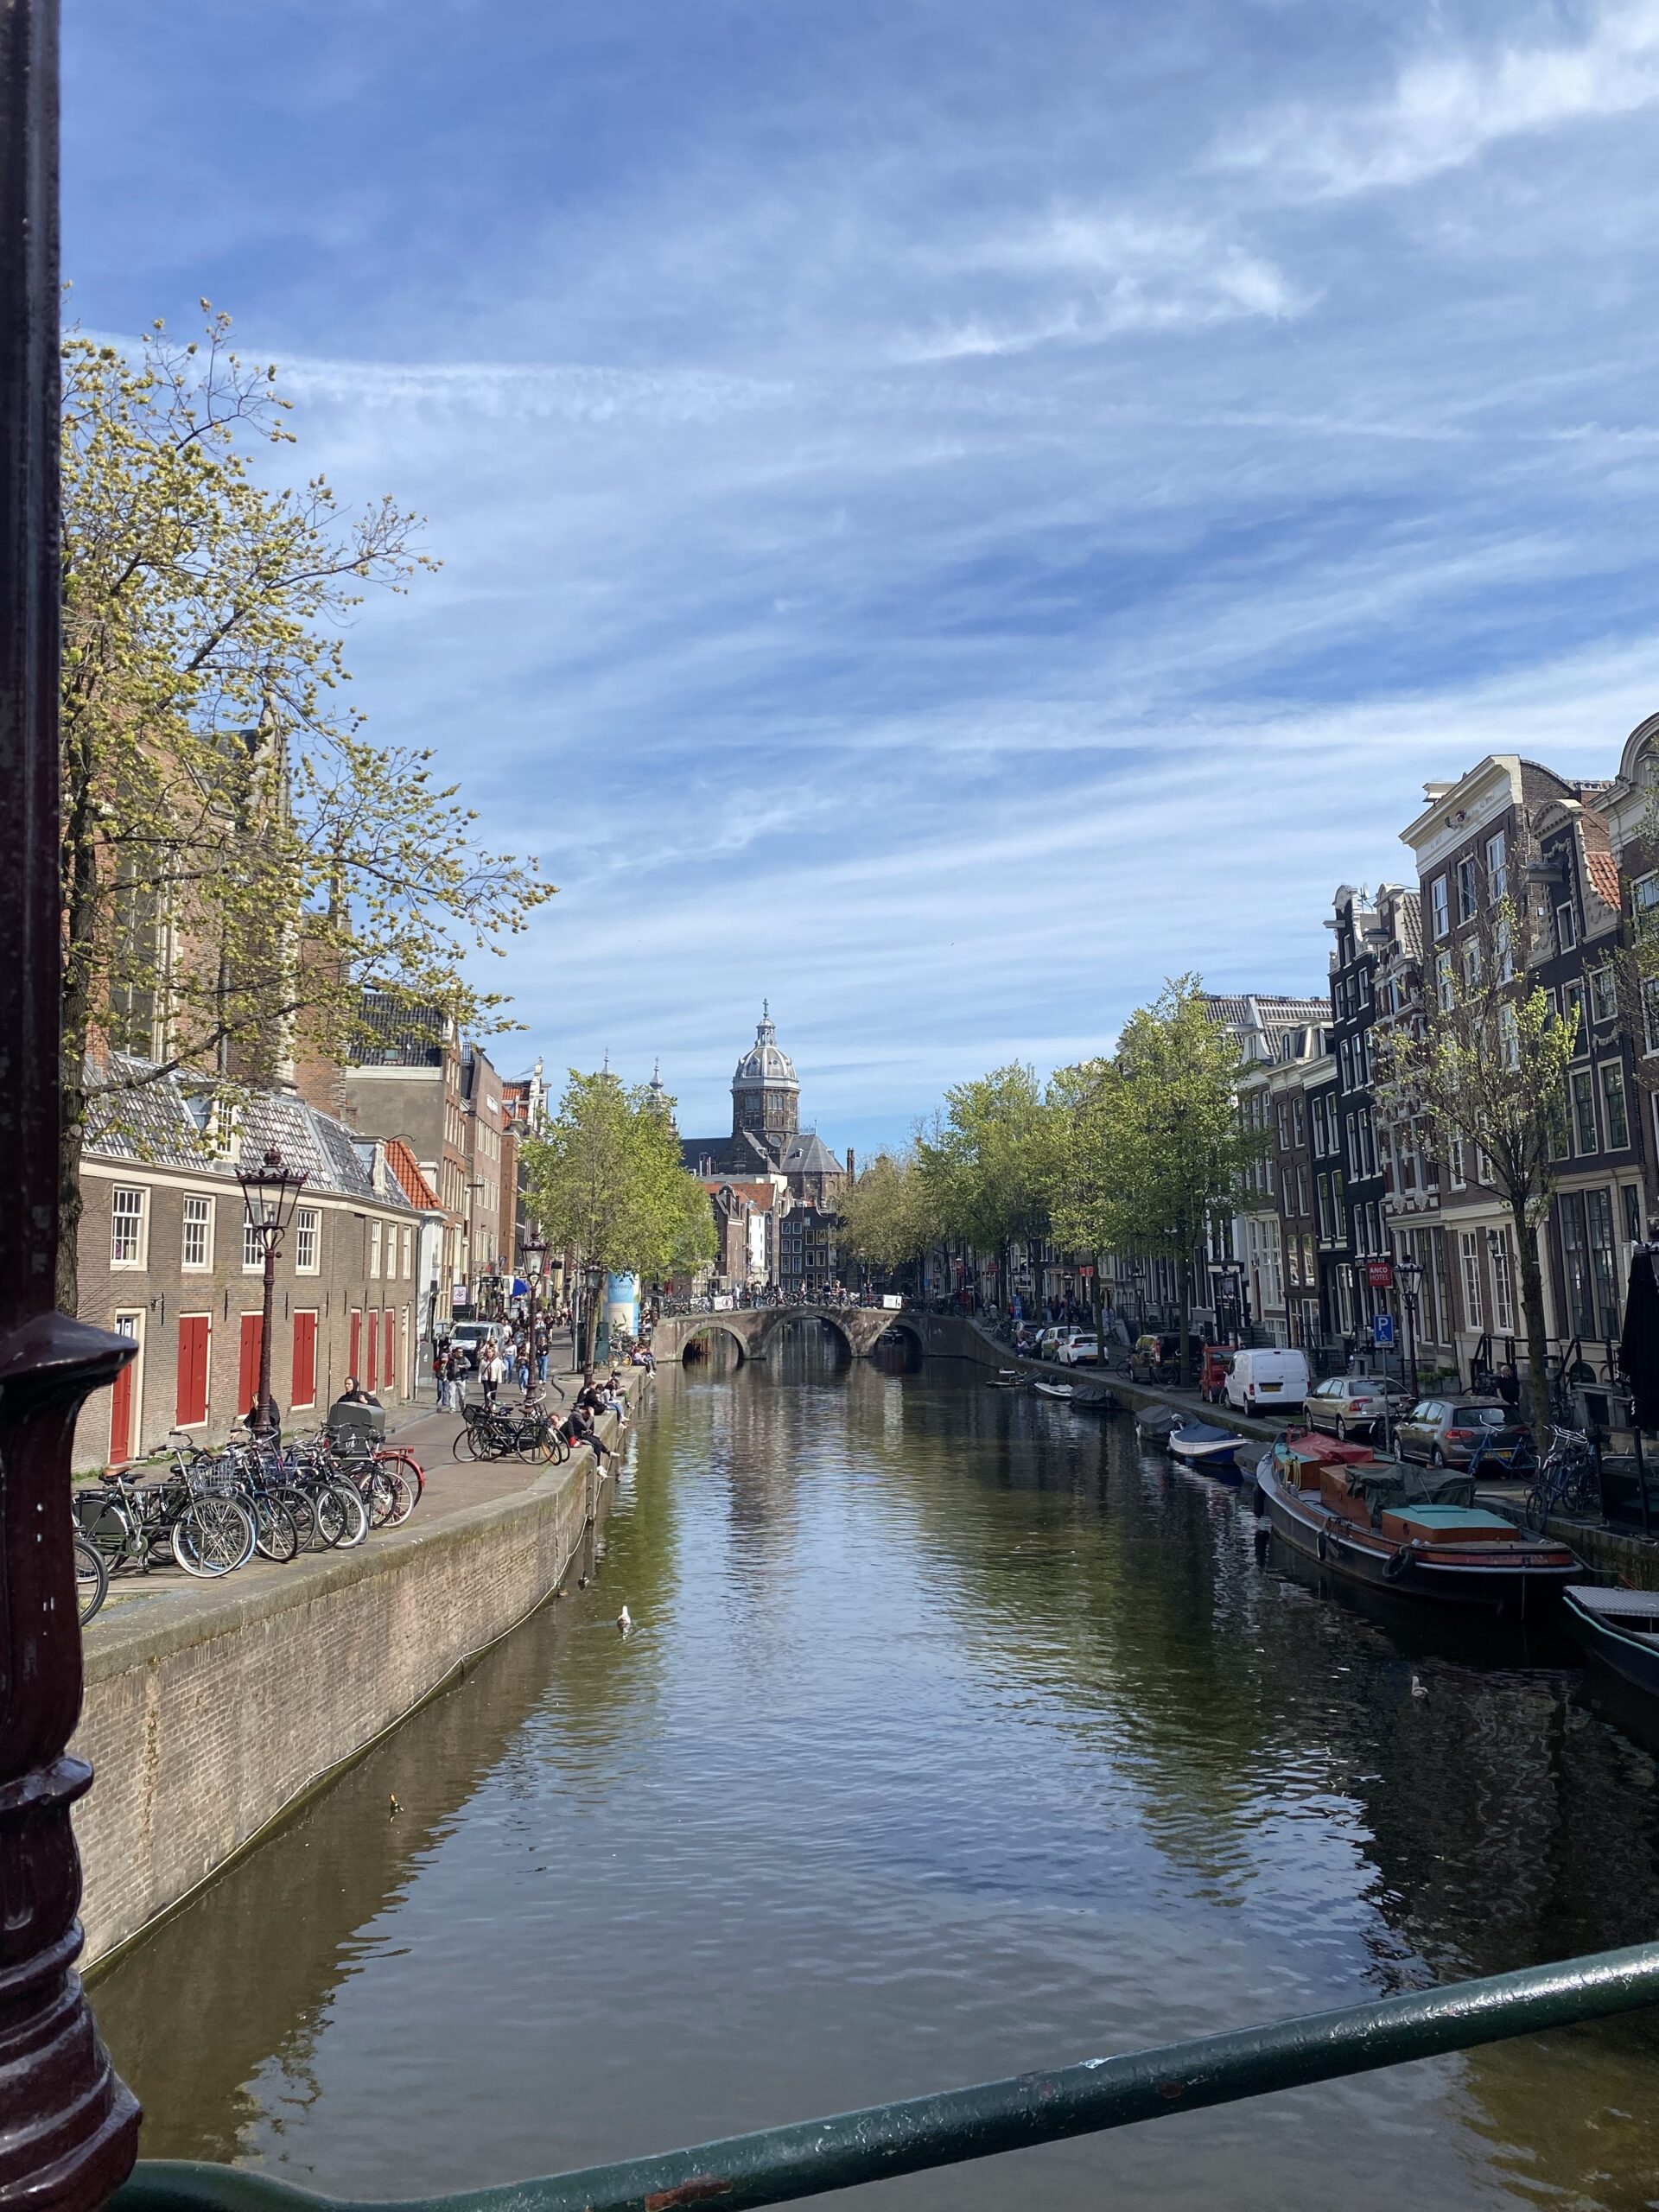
957, 1736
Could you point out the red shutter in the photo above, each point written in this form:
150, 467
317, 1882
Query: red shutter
388, 1363
372, 1375
354, 1357
247, 1377
191, 1408
121, 1417
305, 1360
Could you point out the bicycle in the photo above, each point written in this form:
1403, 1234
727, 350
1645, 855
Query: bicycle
92, 1578
1566, 1481
209, 1534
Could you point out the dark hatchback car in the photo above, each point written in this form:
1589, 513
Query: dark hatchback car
1444, 1430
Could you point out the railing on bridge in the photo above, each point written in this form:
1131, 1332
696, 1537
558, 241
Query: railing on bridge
779, 2163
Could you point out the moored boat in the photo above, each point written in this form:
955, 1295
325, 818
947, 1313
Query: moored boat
1053, 1389
1414, 1531
1153, 1423
1096, 1402
1621, 1628
1198, 1444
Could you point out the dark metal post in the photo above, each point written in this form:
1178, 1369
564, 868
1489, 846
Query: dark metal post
270, 1286
69, 2127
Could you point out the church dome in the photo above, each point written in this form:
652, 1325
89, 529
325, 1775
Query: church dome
766, 1063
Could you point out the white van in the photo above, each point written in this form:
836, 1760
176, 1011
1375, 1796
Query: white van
1262, 1381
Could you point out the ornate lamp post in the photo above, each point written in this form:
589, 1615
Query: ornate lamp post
68, 2128
535, 1262
271, 1192
1409, 1274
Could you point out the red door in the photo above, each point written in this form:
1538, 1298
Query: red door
374, 1345
388, 1365
354, 1357
121, 1396
247, 1378
191, 1406
304, 1391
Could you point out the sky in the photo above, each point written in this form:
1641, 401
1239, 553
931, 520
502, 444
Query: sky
951, 511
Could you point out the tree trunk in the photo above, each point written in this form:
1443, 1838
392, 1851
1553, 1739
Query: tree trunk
1532, 1311
1183, 1281
1100, 1316
590, 1334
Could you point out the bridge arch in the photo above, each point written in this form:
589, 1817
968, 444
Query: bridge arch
785, 1317
714, 1324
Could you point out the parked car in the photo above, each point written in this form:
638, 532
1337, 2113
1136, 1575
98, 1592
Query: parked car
1048, 1342
1078, 1348
1158, 1359
1263, 1379
1444, 1430
1212, 1375
1356, 1405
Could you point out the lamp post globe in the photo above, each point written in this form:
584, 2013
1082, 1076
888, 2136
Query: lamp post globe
270, 1192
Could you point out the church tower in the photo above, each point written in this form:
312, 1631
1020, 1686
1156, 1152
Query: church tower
766, 1097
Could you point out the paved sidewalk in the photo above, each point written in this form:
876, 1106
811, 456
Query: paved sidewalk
453, 1483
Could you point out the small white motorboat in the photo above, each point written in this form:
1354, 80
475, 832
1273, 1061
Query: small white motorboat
1196, 1443
1052, 1389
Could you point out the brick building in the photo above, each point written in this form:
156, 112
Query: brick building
164, 1259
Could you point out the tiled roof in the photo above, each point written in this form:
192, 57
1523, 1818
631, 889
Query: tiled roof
1247, 1011
1603, 872
153, 1126
760, 1195
808, 1154
410, 1181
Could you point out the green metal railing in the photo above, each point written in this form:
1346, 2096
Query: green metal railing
777, 2164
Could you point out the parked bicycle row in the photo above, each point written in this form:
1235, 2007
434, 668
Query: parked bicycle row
212, 1510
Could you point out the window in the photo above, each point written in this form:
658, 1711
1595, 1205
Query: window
1567, 927
1572, 1011
1471, 967
253, 1261
1468, 895
306, 1223
409, 1254
1505, 951
1585, 1135
1446, 986
1298, 1118
1497, 868
1599, 1217
1456, 1163
1474, 1309
127, 1222
1503, 1282
1284, 1128
1644, 903
1364, 987
1322, 1196
1632, 1213
1442, 909
190, 1404
1508, 1036
374, 1248
196, 1247
1613, 1107
1603, 993
1651, 1014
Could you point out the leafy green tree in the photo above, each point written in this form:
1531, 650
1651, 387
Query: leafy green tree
239, 862
1083, 1198
985, 1163
886, 1221
1166, 1147
1488, 1078
606, 1183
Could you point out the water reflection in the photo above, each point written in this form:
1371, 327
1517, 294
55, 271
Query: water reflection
957, 1736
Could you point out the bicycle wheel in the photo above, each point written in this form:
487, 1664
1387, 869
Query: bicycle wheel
380, 1495
405, 1464
274, 1534
403, 1497
1539, 1500
329, 1515
466, 1443
303, 1514
211, 1536
92, 1579
355, 1522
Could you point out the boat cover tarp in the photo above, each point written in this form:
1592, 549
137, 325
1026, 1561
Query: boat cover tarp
1384, 1486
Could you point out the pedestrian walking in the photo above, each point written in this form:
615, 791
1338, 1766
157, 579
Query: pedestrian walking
494, 1374
457, 1380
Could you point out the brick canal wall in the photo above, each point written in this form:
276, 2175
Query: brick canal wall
207, 1719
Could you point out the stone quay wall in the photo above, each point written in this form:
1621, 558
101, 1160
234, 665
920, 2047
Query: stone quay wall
206, 1720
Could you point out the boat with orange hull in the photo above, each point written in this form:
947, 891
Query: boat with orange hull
1415, 1532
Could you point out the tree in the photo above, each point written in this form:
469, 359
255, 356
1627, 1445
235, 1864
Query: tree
1084, 1203
1166, 1147
984, 1163
239, 862
1486, 1079
606, 1183
885, 1219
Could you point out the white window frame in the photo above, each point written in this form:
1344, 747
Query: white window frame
129, 1253
1497, 867
204, 1220
1440, 908
1446, 981
308, 1239
1468, 875
1474, 1289
1581, 1084
408, 1253
1615, 1070
1567, 926
253, 1251
1604, 992
374, 1248
1502, 1283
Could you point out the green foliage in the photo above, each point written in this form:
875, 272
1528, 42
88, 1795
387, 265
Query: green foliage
985, 1162
606, 1183
887, 1219
238, 861
1083, 1197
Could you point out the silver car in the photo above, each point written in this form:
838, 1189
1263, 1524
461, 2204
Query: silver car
1356, 1405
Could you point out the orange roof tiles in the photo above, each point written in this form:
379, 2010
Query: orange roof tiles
410, 1181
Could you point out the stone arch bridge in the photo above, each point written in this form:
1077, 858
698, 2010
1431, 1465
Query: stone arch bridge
754, 1328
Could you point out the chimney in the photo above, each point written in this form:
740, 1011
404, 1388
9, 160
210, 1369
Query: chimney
852, 1171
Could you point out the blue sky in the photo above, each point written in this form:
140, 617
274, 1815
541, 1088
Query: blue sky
949, 513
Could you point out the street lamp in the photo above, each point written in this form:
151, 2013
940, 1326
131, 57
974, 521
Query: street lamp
1409, 1274
269, 1192
535, 1261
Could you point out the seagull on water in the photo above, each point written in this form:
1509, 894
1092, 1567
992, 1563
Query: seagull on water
624, 1621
